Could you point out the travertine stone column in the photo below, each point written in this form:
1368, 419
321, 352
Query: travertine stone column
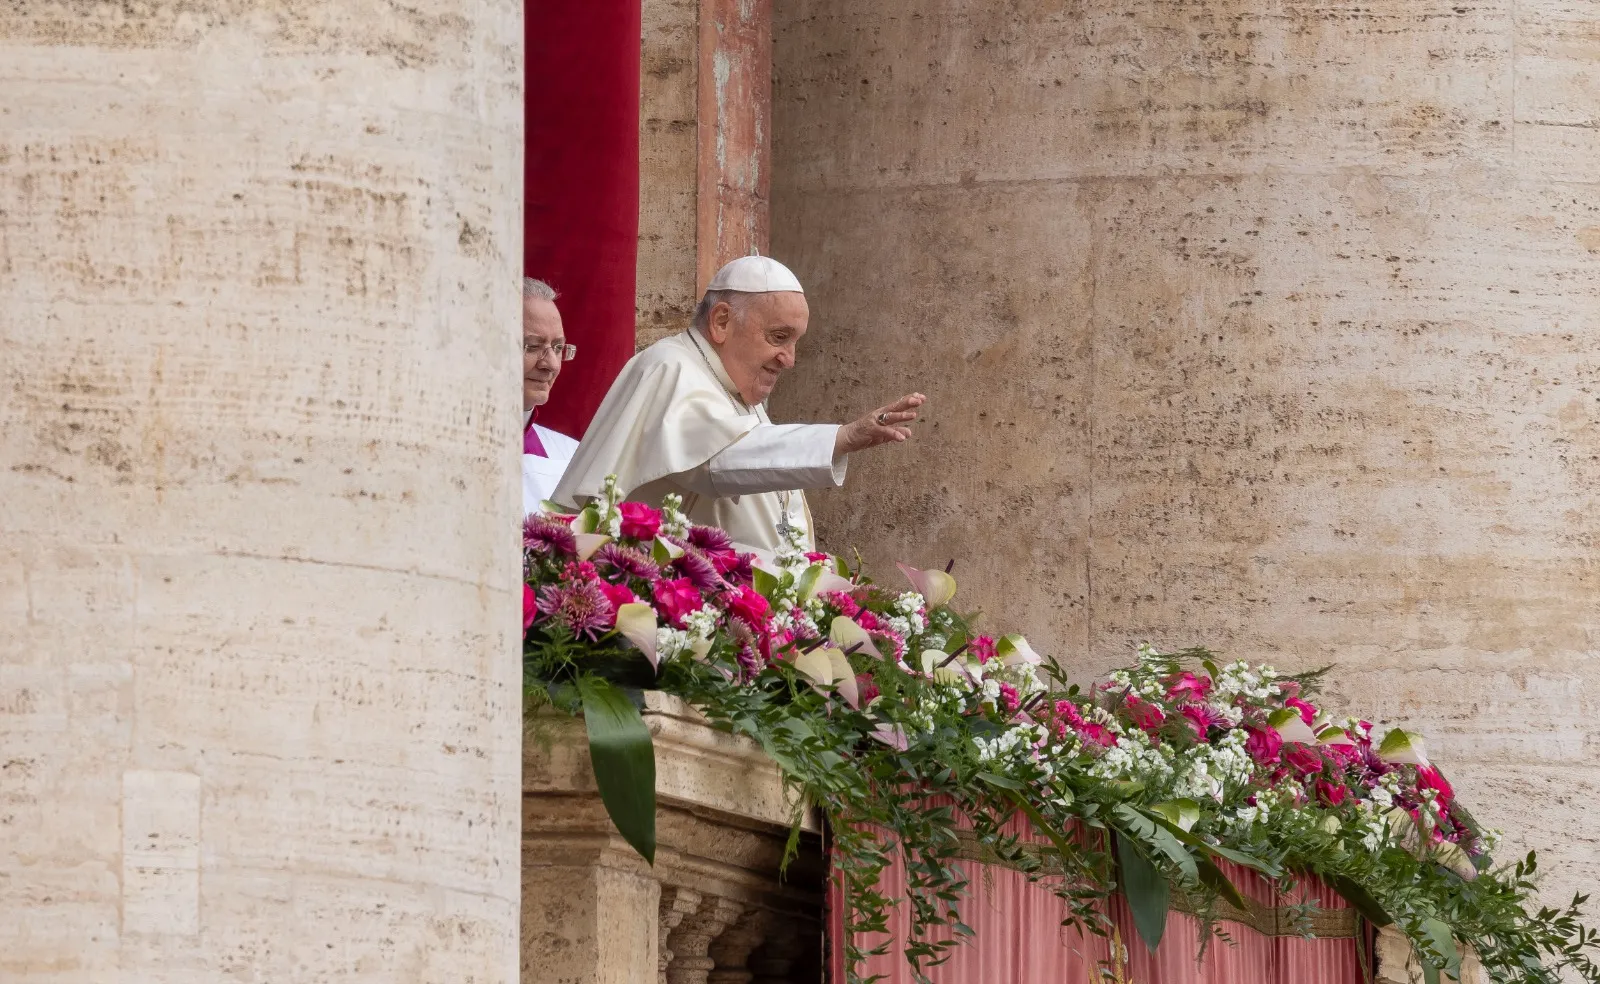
1274, 327
730, 952
259, 693
691, 940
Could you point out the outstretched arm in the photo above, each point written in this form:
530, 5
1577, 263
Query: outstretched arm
885, 425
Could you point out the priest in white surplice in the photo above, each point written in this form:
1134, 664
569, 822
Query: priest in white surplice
688, 415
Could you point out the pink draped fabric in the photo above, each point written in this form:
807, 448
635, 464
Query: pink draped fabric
1019, 938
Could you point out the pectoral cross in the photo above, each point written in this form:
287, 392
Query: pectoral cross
785, 528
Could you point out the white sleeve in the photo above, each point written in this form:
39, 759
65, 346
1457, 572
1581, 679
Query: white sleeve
778, 458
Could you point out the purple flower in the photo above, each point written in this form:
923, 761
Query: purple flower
547, 536
627, 561
580, 606
700, 571
709, 538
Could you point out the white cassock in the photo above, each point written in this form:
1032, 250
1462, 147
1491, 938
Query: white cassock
673, 422
541, 473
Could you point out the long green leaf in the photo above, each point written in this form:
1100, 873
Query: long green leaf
1212, 876
1443, 942
1147, 890
624, 760
1152, 831
1360, 898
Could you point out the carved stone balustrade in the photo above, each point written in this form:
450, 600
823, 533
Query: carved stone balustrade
713, 909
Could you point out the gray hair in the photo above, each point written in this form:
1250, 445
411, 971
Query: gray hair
702, 311
537, 290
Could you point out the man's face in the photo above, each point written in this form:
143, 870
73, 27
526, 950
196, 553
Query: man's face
542, 339
756, 339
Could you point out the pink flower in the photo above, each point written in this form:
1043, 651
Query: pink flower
1098, 733
1146, 716
618, 595
639, 521
543, 534
1289, 688
1188, 686
1303, 760
580, 605
748, 604
1430, 778
627, 561
1307, 712
530, 607
1201, 718
867, 620
817, 558
868, 688
1332, 794
710, 539
700, 571
1265, 745
676, 599
1009, 698
734, 567
847, 605
983, 648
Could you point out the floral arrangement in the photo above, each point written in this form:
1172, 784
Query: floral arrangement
876, 702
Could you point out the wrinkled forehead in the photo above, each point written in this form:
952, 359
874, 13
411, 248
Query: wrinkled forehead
779, 309
540, 318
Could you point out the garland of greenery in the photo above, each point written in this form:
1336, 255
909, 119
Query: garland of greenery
875, 702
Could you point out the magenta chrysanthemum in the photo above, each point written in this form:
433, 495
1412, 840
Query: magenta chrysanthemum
709, 538
626, 561
547, 536
700, 571
580, 606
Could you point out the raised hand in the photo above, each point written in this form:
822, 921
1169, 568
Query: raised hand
885, 425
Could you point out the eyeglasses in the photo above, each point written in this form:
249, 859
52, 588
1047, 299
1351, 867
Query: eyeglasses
561, 350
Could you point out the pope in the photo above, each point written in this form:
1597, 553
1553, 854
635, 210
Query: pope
688, 416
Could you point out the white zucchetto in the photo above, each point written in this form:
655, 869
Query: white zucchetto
755, 275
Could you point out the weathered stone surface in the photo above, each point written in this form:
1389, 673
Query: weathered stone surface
259, 694
1268, 327
594, 913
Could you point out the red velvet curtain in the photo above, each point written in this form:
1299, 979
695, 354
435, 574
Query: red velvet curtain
1019, 938
582, 187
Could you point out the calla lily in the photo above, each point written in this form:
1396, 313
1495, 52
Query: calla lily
701, 648
846, 634
663, 551
824, 582
933, 664
1183, 813
1401, 748
828, 667
588, 519
636, 622
1014, 650
1453, 857
588, 543
935, 586
1334, 736
1288, 723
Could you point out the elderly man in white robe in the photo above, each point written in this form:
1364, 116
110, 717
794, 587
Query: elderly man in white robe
545, 452
688, 416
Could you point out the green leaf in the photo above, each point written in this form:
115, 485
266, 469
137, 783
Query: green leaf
1181, 813
1147, 891
1430, 973
1153, 832
1001, 781
765, 583
1212, 877
1443, 942
624, 760
1360, 898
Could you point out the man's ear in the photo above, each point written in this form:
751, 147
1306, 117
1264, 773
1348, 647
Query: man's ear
718, 327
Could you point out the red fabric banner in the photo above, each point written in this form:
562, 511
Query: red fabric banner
1019, 938
582, 188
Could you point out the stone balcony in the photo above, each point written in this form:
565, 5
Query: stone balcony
712, 910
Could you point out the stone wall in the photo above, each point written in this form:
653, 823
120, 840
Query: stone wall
259, 687
1264, 326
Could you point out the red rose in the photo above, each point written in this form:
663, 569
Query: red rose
530, 607
1201, 718
1307, 712
1331, 794
1188, 686
677, 598
1264, 745
639, 521
1430, 778
748, 604
618, 595
1303, 760
1147, 716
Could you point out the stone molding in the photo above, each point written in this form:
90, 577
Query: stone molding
714, 908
